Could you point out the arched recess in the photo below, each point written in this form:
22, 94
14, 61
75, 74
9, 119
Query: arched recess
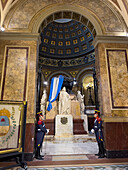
83, 72
87, 72
57, 74
88, 82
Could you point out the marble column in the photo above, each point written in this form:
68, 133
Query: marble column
111, 56
18, 58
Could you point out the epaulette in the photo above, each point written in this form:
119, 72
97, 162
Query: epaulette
98, 119
39, 122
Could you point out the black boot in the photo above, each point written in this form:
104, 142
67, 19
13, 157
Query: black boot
102, 150
38, 154
42, 156
98, 154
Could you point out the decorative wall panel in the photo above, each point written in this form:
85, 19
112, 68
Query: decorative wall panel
117, 61
15, 74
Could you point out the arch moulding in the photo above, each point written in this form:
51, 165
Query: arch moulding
45, 12
58, 73
24, 17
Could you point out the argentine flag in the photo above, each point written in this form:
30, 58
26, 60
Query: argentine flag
56, 84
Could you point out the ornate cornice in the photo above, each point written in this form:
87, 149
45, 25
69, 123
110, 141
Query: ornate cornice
19, 36
86, 59
110, 39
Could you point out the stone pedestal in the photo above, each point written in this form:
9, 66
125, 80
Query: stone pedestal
85, 123
64, 127
89, 111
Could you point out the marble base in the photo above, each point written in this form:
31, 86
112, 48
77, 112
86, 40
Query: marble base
117, 154
116, 139
28, 156
64, 127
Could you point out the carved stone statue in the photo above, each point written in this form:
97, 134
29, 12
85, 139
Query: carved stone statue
64, 102
43, 102
80, 98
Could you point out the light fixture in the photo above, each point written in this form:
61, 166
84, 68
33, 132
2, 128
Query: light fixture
45, 83
74, 82
90, 84
63, 20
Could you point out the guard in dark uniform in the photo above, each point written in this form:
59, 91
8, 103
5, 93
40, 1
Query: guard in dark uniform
40, 133
99, 134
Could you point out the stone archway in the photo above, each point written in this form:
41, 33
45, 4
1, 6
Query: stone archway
106, 20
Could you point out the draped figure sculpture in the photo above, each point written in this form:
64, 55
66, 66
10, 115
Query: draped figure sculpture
80, 98
43, 102
64, 102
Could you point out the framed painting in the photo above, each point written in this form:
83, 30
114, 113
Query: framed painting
12, 126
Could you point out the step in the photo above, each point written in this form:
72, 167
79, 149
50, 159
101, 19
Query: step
75, 139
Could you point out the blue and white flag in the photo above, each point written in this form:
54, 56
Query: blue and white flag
56, 84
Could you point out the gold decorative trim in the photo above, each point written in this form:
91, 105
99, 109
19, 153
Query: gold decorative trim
115, 119
8, 151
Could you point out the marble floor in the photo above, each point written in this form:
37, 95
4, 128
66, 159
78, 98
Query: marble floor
97, 167
77, 153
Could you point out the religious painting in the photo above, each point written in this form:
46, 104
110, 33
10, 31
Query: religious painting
11, 126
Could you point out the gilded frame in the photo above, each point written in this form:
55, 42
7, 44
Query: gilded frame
5, 109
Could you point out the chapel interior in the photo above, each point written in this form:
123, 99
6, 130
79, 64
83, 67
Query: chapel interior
84, 41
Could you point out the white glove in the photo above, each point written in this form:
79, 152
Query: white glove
47, 131
92, 130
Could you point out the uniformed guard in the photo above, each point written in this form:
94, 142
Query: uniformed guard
40, 133
99, 134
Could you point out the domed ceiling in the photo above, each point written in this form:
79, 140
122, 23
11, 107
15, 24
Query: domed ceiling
66, 42
65, 39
